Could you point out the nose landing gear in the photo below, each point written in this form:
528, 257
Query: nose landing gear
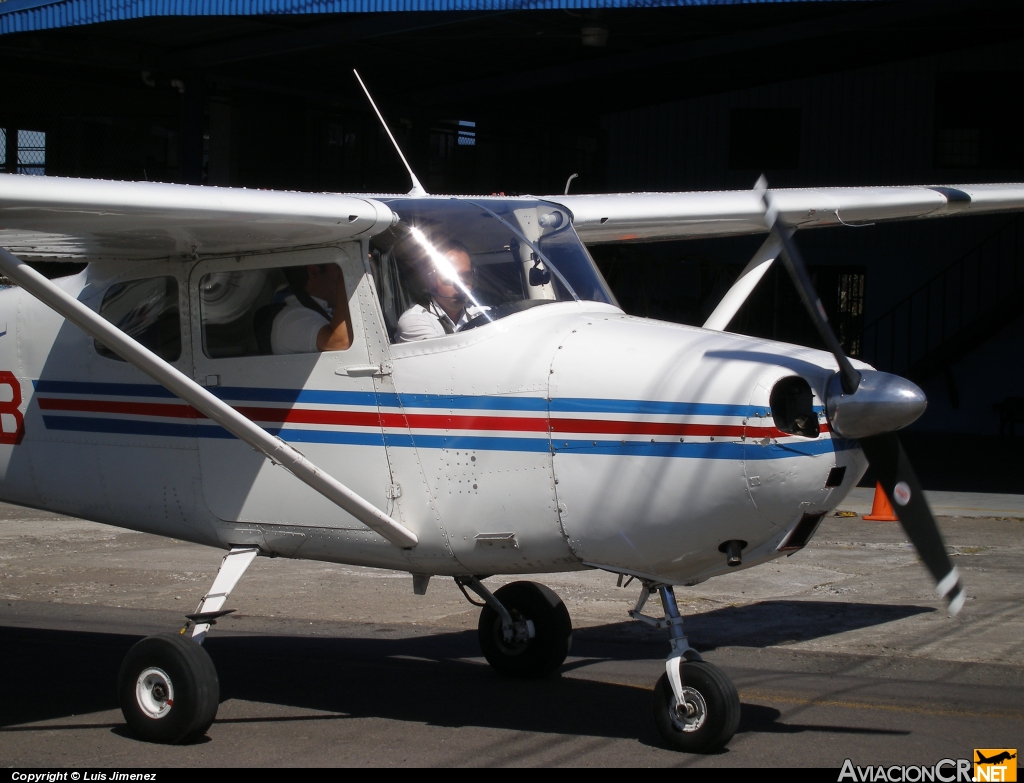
705, 714
696, 707
525, 631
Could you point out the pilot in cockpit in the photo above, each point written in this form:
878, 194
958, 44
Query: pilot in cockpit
315, 315
448, 280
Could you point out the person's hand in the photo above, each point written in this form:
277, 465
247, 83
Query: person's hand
337, 335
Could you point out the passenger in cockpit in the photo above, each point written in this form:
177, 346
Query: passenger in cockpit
315, 316
446, 310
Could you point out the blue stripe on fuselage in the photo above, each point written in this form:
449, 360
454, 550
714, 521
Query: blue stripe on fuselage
448, 401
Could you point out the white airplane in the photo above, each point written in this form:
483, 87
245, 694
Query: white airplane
541, 430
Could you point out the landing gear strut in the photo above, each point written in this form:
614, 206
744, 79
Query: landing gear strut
696, 707
524, 628
168, 686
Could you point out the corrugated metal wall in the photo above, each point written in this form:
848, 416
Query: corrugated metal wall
870, 126
863, 126
866, 126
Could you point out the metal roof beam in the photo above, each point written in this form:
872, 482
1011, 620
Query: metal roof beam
320, 35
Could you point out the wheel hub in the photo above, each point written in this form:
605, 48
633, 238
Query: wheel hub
691, 714
514, 639
154, 692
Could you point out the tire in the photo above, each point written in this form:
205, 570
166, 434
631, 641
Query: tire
536, 657
168, 665
713, 694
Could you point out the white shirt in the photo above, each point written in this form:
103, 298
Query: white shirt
424, 323
296, 327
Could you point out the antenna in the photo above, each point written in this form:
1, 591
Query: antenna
417, 188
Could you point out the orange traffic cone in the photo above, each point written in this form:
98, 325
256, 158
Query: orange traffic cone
881, 508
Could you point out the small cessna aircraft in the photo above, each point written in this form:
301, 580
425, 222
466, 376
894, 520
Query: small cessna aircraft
542, 430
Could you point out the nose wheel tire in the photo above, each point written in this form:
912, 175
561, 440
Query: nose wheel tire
168, 689
710, 716
538, 656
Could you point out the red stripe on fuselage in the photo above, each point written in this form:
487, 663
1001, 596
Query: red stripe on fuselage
419, 421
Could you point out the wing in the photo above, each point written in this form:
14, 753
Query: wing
56, 218
652, 216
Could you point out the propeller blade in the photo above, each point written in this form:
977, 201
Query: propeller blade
790, 255
886, 401
897, 477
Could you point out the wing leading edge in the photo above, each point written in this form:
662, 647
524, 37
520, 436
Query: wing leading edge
59, 218
646, 217
53, 218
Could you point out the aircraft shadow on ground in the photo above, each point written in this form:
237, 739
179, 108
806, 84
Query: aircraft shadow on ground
763, 624
55, 674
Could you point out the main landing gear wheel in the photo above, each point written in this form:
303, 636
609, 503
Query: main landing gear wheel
710, 716
538, 656
168, 689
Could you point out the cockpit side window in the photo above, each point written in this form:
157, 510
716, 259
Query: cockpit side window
146, 310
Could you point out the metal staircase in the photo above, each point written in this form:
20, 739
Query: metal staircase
951, 314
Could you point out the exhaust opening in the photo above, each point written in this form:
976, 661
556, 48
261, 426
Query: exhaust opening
802, 533
836, 476
792, 406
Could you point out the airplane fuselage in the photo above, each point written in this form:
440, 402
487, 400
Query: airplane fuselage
562, 437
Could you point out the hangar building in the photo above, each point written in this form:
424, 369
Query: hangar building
516, 96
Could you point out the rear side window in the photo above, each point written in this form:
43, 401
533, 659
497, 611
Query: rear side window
259, 312
146, 310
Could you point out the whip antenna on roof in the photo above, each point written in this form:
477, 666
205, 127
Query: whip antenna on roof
417, 188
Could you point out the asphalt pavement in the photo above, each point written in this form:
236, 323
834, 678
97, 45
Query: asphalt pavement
841, 651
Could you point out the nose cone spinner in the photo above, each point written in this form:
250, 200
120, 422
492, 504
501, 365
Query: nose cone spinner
882, 403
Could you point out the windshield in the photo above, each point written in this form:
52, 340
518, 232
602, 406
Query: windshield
454, 264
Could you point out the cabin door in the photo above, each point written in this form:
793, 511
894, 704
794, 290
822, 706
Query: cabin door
324, 404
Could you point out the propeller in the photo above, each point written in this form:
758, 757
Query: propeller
870, 406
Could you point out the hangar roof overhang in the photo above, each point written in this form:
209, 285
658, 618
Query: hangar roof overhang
433, 55
34, 15
520, 61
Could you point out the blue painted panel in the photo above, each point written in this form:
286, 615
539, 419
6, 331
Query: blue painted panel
28, 15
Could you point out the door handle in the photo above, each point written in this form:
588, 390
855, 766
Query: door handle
363, 370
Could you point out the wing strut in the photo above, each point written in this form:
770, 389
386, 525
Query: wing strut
273, 448
745, 283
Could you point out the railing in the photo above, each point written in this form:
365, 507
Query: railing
952, 312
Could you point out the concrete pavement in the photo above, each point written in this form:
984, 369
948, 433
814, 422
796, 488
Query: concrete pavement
949, 504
